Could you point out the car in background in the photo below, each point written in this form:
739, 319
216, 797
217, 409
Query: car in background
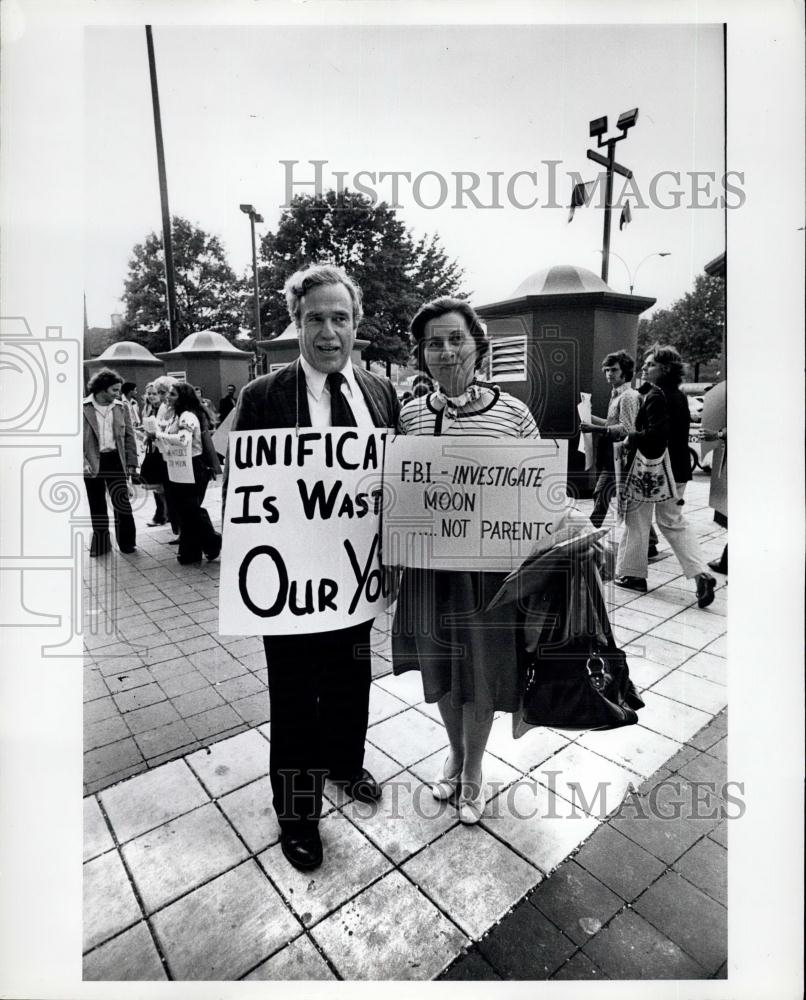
695, 396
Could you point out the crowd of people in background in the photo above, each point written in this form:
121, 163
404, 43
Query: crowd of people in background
124, 444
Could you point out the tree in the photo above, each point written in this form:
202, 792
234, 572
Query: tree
396, 272
693, 324
208, 294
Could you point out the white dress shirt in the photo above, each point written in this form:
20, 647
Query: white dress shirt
319, 396
106, 433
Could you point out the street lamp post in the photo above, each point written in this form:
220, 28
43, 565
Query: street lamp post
254, 217
633, 275
598, 127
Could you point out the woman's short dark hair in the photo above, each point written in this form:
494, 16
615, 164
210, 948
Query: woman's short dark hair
625, 362
439, 307
669, 357
186, 399
127, 387
102, 379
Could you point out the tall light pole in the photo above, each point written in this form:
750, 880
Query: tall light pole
253, 218
598, 127
167, 244
632, 275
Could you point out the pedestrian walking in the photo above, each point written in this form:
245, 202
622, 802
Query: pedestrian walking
471, 662
110, 455
318, 683
661, 426
197, 536
622, 409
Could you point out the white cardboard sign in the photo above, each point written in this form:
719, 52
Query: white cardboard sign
471, 504
301, 550
180, 464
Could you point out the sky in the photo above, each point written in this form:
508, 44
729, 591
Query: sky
486, 99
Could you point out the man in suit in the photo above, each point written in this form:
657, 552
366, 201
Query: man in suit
318, 684
110, 453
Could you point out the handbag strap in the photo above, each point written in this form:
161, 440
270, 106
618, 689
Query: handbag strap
593, 581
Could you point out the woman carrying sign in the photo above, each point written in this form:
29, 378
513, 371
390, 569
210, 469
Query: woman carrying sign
469, 658
189, 475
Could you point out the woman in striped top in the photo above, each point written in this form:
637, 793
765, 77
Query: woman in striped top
468, 658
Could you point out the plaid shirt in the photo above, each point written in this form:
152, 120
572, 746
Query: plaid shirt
623, 407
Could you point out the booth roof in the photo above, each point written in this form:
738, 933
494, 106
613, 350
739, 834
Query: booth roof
206, 342
127, 350
562, 279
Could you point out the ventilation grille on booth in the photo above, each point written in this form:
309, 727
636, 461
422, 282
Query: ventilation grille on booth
507, 360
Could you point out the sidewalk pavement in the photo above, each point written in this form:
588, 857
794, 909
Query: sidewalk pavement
183, 874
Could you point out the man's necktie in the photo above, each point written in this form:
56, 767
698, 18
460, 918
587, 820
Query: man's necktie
340, 413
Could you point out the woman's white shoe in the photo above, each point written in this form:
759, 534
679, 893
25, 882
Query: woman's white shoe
471, 809
446, 788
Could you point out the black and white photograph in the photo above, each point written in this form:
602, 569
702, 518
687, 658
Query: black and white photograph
367, 373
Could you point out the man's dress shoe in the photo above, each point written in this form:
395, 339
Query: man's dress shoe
303, 852
362, 787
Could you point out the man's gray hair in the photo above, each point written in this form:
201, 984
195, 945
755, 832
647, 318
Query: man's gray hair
302, 281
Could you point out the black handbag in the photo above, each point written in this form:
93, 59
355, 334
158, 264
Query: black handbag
152, 468
578, 678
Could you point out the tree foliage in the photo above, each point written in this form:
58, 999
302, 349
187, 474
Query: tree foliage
208, 294
693, 324
396, 272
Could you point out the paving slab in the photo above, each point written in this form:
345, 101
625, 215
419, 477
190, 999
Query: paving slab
298, 960
152, 799
470, 967
705, 865
97, 838
407, 737
232, 762
242, 901
110, 905
472, 876
528, 947
669, 905
631, 948
579, 904
619, 863
390, 931
132, 955
175, 858
406, 818
538, 824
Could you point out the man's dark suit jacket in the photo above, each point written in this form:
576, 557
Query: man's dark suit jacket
281, 400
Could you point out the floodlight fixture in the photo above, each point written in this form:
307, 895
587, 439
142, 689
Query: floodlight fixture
248, 209
598, 127
627, 119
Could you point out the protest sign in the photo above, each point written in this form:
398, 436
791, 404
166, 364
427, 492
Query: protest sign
471, 503
301, 549
585, 444
180, 464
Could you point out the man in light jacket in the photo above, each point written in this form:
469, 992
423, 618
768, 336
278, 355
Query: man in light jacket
110, 454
